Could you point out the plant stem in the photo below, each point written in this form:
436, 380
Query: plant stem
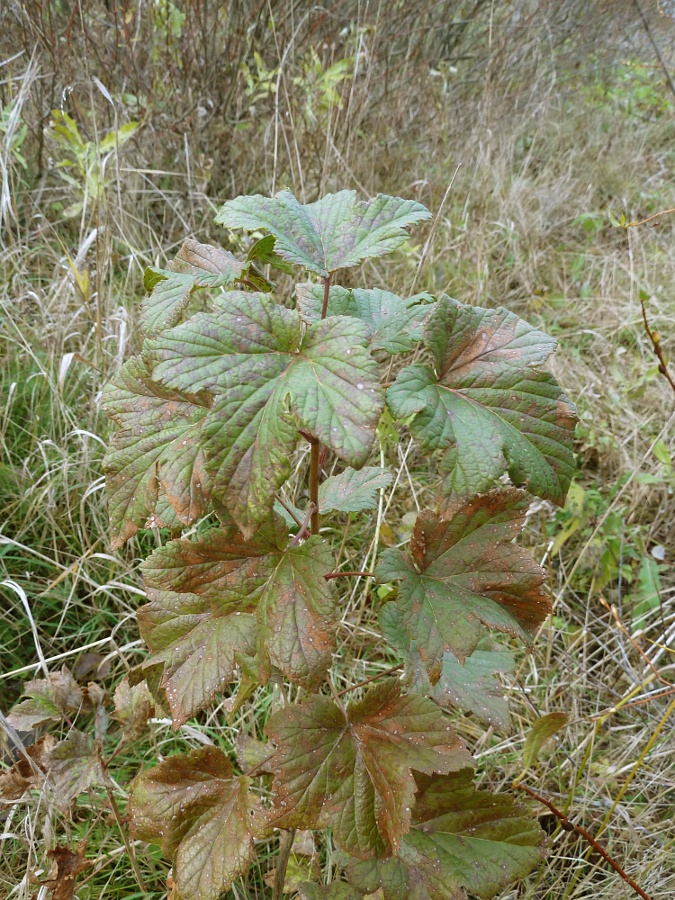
566, 825
361, 684
314, 483
348, 575
326, 293
130, 850
285, 844
315, 451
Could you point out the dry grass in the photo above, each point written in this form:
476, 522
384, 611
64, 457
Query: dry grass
551, 146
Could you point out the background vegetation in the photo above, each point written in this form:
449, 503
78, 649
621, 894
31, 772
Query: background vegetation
533, 130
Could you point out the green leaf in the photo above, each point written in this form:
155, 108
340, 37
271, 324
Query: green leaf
647, 593
472, 686
352, 491
461, 839
219, 598
205, 819
51, 699
250, 355
156, 450
488, 404
263, 251
543, 729
73, 766
464, 570
354, 775
396, 325
337, 890
336, 232
196, 266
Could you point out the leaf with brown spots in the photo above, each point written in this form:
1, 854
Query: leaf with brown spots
155, 453
487, 402
463, 571
263, 375
354, 774
461, 839
203, 816
220, 599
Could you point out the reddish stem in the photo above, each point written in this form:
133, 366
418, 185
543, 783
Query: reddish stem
566, 825
348, 575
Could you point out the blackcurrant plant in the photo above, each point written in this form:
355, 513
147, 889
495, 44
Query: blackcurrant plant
229, 383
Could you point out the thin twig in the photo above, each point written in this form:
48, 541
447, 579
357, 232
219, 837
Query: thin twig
289, 510
657, 215
285, 844
566, 825
622, 628
652, 41
348, 575
130, 850
304, 525
656, 344
372, 678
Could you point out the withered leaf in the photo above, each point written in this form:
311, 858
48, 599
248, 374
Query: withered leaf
155, 451
354, 775
204, 818
73, 766
196, 266
28, 769
51, 699
66, 866
336, 232
263, 374
488, 404
134, 705
219, 599
461, 839
463, 571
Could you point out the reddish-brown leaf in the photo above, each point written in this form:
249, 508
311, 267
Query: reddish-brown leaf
354, 774
463, 571
204, 818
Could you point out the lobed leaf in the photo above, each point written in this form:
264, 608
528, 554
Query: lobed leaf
169, 290
463, 571
50, 699
134, 705
487, 404
73, 766
461, 839
396, 325
251, 357
220, 599
154, 463
205, 819
336, 232
472, 686
352, 490
354, 774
